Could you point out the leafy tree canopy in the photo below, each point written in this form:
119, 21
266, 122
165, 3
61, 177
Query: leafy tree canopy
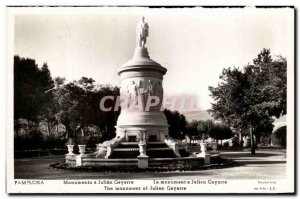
251, 97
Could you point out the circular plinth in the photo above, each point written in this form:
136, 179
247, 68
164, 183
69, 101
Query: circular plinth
141, 61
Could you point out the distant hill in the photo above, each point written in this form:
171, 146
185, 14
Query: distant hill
197, 115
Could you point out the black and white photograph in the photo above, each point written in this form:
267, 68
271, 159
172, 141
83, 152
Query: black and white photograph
150, 100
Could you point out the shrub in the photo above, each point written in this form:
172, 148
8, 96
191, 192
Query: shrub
37, 140
226, 144
235, 141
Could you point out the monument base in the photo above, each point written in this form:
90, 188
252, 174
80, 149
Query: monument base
141, 162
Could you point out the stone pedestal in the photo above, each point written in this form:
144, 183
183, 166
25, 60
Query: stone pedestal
141, 80
70, 155
214, 146
206, 159
143, 162
203, 154
69, 158
81, 155
78, 160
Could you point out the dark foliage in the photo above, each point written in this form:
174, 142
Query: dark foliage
177, 122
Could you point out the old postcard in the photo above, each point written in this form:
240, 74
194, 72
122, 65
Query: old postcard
150, 100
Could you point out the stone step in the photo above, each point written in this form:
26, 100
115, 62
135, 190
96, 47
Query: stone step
149, 144
159, 149
137, 149
156, 143
124, 154
136, 143
126, 149
129, 143
160, 153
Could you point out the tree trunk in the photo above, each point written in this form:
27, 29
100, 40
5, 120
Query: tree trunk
82, 132
48, 128
240, 139
57, 128
67, 131
255, 140
252, 138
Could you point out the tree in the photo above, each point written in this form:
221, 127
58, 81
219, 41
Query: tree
229, 106
203, 128
191, 129
198, 129
263, 57
266, 96
106, 121
74, 102
250, 98
30, 85
177, 124
220, 132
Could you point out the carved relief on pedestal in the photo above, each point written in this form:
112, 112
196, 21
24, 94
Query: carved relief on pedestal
139, 90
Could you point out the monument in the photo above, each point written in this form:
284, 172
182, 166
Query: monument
142, 137
141, 123
141, 81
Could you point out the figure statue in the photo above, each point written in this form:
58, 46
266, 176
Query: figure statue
133, 94
142, 94
142, 32
150, 88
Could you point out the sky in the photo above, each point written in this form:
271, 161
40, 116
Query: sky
193, 44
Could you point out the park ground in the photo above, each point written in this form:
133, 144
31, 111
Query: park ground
266, 164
